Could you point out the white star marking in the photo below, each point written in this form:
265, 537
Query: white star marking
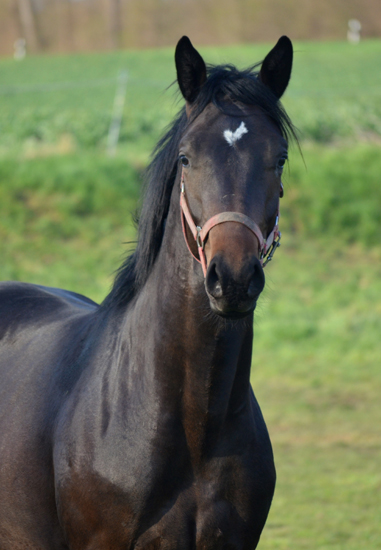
232, 137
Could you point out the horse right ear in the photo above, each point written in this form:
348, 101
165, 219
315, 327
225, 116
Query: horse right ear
276, 68
191, 69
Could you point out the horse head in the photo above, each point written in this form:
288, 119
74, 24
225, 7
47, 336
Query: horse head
231, 158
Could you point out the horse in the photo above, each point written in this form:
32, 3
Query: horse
132, 424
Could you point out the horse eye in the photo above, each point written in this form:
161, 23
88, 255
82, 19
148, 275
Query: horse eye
184, 161
281, 163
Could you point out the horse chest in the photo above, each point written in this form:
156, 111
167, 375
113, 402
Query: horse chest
165, 504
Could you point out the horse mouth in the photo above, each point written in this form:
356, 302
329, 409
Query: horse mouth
232, 310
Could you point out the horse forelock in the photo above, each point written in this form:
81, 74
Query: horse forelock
226, 85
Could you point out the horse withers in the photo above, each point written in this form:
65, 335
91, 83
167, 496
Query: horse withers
132, 424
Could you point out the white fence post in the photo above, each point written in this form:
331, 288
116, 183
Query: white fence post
117, 113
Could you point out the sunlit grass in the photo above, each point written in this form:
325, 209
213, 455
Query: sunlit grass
63, 220
335, 94
316, 373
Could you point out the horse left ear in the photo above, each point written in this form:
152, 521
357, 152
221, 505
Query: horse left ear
276, 68
191, 69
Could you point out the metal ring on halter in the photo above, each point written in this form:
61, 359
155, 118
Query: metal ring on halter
268, 256
199, 241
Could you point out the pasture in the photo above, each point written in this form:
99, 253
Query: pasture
65, 212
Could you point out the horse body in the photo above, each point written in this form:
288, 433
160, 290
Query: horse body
124, 466
133, 424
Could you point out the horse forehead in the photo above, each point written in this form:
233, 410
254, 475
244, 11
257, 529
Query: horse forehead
252, 127
249, 127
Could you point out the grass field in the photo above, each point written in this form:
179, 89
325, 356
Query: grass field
316, 371
65, 212
59, 103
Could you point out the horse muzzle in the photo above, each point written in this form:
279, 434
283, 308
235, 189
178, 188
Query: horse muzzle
233, 293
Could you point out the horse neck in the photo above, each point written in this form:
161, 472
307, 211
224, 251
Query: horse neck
201, 362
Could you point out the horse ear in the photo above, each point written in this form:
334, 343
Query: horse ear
191, 69
276, 68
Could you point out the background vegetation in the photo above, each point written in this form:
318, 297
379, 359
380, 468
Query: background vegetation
84, 25
65, 212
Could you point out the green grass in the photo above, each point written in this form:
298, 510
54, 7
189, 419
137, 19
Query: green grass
317, 377
63, 220
333, 193
65, 214
55, 103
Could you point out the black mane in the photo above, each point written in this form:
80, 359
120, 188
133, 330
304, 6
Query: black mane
225, 84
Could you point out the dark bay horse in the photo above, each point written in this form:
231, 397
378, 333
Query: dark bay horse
133, 425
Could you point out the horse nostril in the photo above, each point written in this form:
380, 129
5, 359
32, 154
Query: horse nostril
257, 283
251, 291
213, 283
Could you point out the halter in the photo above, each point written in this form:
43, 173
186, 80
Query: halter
267, 246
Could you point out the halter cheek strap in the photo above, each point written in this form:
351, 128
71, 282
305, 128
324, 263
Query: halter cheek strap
267, 246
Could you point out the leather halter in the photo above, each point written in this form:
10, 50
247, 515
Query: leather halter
267, 246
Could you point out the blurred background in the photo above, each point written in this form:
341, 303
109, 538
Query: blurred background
86, 25
84, 96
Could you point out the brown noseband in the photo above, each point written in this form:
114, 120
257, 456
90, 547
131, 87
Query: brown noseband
267, 246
